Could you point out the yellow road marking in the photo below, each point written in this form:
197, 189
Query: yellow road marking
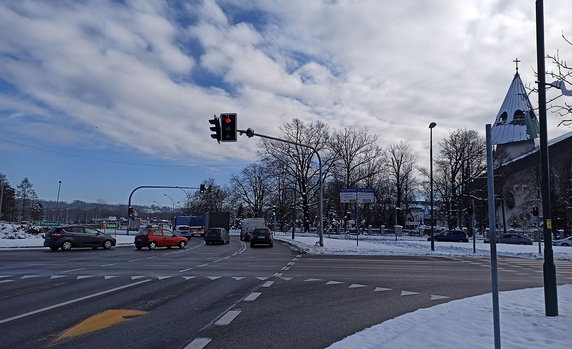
98, 322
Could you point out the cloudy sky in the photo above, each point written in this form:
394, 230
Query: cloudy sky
109, 95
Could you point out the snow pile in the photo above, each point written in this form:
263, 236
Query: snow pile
13, 231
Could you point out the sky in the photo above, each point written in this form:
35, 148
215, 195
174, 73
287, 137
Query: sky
105, 96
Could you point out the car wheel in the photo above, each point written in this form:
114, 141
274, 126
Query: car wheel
271, 244
182, 244
251, 244
54, 249
565, 244
107, 244
66, 246
139, 247
152, 245
522, 243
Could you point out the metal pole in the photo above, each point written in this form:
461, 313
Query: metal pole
493, 237
472, 228
431, 125
550, 292
503, 216
251, 133
1, 198
58, 200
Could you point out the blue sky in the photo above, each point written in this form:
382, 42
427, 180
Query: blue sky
109, 95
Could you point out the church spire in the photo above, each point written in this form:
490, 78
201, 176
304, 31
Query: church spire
516, 123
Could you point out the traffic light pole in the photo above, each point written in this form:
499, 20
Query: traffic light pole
250, 133
150, 187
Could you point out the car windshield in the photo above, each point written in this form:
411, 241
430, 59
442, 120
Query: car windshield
214, 231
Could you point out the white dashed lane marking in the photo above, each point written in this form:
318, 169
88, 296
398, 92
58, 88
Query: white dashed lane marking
268, 284
227, 318
251, 297
198, 343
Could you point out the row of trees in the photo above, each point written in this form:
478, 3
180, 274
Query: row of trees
286, 177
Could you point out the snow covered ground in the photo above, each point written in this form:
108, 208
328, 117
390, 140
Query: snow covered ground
464, 323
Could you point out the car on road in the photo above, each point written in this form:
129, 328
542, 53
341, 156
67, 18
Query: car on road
261, 236
159, 237
183, 230
77, 236
217, 235
512, 238
451, 236
563, 242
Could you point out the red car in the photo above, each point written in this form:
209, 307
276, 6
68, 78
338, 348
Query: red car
158, 237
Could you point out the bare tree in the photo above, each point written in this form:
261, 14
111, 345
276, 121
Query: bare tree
400, 164
300, 163
25, 193
560, 104
252, 187
460, 161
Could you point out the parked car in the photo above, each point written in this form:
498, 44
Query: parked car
159, 237
512, 238
77, 236
563, 242
451, 236
183, 230
261, 236
217, 235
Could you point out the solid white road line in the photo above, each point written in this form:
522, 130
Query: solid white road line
226, 318
70, 302
198, 343
251, 297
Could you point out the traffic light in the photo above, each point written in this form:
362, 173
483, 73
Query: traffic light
470, 210
202, 188
130, 212
215, 128
535, 211
228, 127
274, 210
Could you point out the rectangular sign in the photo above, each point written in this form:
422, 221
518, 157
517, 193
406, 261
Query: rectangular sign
49, 223
359, 195
111, 225
365, 197
347, 197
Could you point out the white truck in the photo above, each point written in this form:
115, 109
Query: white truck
248, 225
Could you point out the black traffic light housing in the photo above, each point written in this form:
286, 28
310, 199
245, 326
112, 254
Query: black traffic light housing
130, 211
215, 128
202, 189
535, 211
274, 210
228, 127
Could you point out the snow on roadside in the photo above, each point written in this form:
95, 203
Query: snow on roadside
468, 323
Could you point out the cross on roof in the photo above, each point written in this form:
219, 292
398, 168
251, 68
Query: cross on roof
516, 61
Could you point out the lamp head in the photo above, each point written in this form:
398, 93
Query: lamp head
431, 125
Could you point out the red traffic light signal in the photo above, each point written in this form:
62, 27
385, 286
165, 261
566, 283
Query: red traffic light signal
470, 210
228, 127
535, 211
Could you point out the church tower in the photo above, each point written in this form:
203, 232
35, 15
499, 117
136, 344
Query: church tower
516, 125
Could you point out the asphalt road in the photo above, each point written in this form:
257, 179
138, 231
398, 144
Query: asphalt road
227, 296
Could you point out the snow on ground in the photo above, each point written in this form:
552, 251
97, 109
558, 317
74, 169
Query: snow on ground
463, 323
468, 323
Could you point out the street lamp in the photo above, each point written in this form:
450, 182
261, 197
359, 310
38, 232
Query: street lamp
58, 198
173, 201
431, 126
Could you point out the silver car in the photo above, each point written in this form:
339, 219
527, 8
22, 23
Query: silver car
563, 242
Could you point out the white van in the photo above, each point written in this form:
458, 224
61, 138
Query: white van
248, 225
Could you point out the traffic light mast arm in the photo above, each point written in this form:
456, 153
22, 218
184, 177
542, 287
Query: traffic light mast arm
250, 133
150, 186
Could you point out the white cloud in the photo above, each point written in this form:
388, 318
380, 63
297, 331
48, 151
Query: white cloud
129, 69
